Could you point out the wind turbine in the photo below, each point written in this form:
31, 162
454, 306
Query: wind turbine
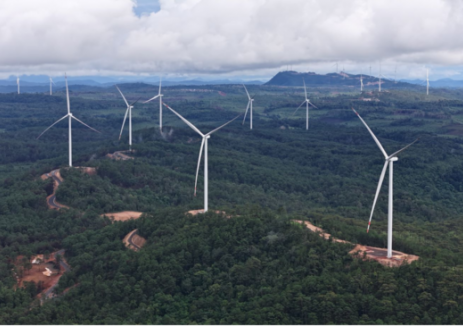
250, 100
361, 83
379, 84
51, 87
427, 81
17, 83
307, 103
389, 160
160, 104
70, 117
129, 111
203, 146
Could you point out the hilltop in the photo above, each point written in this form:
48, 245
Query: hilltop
294, 78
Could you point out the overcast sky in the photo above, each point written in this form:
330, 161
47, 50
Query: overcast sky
231, 37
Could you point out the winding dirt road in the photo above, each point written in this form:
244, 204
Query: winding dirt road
57, 180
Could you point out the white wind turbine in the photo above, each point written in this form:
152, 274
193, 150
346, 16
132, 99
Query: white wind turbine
51, 87
17, 83
129, 111
70, 117
389, 160
160, 103
307, 103
379, 84
203, 145
427, 81
250, 100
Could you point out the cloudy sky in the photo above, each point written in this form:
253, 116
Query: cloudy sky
223, 38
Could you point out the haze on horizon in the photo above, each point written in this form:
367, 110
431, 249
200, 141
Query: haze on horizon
231, 37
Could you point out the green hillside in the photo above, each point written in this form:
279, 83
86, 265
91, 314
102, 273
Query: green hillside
254, 265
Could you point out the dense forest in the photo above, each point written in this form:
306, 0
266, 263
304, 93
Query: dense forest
253, 265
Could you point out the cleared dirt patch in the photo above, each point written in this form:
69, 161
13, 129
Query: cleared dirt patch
366, 252
201, 211
133, 241
119, 156
45, 272
380, 255
123, 216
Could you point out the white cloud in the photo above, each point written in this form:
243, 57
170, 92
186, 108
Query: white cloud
226, 36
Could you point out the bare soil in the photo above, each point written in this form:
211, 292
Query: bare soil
35, 274
366, 252
320, 231
138, 240
380, 255
201, 211
133, 241
123, 216
119, 156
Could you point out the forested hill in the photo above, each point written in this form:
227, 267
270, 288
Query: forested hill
294, 78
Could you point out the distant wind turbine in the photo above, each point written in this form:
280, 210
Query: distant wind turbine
203, 146
160, 104
129, 111
389, 160
427, 81
307, 103
361, 83
17, 82
51, 87
250, 100
379, 84
70, 116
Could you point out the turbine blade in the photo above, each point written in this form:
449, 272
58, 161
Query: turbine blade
211, 132
184, 120
153, 98
298, 108
381, 178
199, 162
305, 89
122, 96
249, 97
86, 125
372, 134
246, 112
123, 122
160, 81
310, 103
67, 94
52, 125
394, 154
131, 105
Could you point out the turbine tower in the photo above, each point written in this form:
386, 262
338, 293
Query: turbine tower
17, 83
307, 103
379, 84
160, 103
427, 81
250, 100
70, 117
389, 160
51, 87
203, 146
129, 111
